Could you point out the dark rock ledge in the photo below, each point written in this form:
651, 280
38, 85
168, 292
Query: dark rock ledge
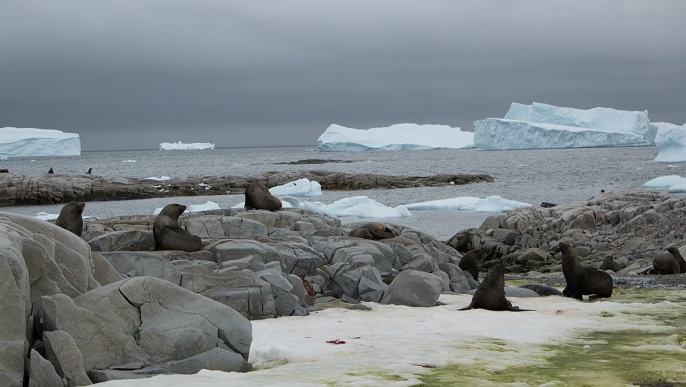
18, 190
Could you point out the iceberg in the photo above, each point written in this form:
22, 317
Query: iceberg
541, 126
23, 142
338, 138
181, 146
359, 206
670, 142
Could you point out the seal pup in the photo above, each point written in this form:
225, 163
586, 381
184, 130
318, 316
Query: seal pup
167, 233
70, 217
258, 197
50, 170
677, 255
583, 280
373, 231
470, 264
491, 292
665, 263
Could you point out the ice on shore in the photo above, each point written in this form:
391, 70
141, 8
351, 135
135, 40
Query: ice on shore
300, 187
670, 142
338, 138
25, 142
166, 146
540, 126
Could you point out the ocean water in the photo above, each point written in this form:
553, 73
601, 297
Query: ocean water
530, 176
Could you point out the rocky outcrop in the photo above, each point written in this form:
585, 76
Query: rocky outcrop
113, 308
630, 227
18, 190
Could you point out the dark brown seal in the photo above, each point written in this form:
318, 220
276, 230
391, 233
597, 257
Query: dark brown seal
167, 233
609, 264
373, 231
491, 292
542, 290
583, 280
470, 263
677, 255
70, 217
51, 170
665, 263
258, 197
89, 171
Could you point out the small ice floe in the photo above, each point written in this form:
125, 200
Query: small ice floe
129, 161
161, 178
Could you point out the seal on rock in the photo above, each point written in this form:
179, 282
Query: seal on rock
583, 280
665, 263
258, 197
167, 233
491, 292
89, 171
70, 217
609, 264
373, 231
677, 255
470, 264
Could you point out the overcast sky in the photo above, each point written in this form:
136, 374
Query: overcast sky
131, 74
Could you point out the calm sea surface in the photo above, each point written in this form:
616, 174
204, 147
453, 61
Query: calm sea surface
531, 176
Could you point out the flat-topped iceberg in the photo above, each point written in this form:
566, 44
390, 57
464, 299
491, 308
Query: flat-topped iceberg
181, 146
25, 142
540, 126
670, 142
338, 138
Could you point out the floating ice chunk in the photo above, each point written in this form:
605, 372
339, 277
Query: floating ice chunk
181, 146
337, 138
359, 206
678, 188
46, 216
469, 203
161, 178
665, 182
300, 187
23, 142
129, 161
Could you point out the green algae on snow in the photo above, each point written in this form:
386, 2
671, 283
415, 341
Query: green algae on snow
645, 356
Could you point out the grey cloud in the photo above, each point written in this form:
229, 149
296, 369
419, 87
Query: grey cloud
278, 73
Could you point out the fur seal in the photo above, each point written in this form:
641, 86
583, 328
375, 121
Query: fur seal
258, 197
70, 217
50, 170
609, 264
167, 233
89, 171
677, 255
583, 280
470, 264
491, 292
373, 231
665, 263
542, 290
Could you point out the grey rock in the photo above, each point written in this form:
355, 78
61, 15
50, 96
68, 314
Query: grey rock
414, 288
61, 350
42, 373
142, 263
130, 240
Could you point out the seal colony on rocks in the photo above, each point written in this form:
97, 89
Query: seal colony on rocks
167, 233
70, 217
491, 292
582, 280
258, 197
